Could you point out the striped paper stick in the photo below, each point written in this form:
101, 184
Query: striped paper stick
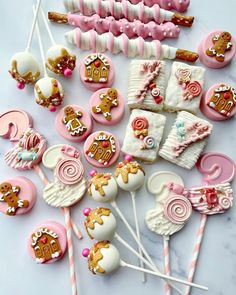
166, 262
196, 251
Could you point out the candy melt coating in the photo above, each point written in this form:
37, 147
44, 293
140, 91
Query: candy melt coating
27, 192
216, 168
58, 229
13, 123
63, 128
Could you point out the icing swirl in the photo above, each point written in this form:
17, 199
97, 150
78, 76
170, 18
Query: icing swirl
225, 202
194, 88
150, 142
177, 209
183, 75
69, 171
140, 123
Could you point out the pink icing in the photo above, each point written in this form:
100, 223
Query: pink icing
85, 119
211, 62
131, 29
27, 192
69, 171
208, 111
13, 123
193, 89
59, 230
117, 112
140, 123
216, 168
179, 5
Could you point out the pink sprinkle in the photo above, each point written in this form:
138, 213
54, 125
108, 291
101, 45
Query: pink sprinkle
67, 72
93, 172
86, 252
20, 85
128, 158
86, 211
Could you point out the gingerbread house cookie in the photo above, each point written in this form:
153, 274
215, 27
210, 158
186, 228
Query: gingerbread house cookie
186, 140
219, 102
184, 88
101, 149
147, 84
97, 71
143, 135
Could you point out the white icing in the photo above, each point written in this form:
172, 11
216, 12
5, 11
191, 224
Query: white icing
105, 231
55, 51
136, 80
26, 62
111, 191
52, 155
135, 181
132, 144
190, 155
155, 218
111, 259
174, 98
45, 85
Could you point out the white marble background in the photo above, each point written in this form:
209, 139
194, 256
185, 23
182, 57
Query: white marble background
18, 273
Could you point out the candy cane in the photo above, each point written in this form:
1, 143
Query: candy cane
117, 27
126, 10
130, 47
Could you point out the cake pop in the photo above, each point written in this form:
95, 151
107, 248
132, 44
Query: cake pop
171, 212
104, 258
24, 66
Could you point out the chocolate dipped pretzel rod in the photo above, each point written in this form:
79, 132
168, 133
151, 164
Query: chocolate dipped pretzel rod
117, 27
125, 9
130, 47
179, 5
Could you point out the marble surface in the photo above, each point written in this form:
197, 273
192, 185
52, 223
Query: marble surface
18, 273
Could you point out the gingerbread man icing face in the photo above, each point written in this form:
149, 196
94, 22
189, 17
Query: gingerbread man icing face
73, 123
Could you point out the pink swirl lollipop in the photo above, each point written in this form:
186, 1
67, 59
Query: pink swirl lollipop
69, 171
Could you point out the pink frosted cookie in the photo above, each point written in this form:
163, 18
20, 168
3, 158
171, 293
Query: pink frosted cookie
217, 49
97, 71
101, 149
47, 243
17, 196
74, 123
219, 102
107, 106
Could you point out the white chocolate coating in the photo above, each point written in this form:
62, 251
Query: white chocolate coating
111, 192
135, 181
111, 259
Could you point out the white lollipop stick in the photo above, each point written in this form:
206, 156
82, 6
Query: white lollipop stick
33, 26
47, 27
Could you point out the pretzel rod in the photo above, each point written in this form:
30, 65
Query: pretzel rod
178, 5
125, 9
117, 27
130, 47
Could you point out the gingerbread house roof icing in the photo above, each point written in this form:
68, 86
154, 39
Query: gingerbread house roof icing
38, 234
92, 57
224, 88
106, 137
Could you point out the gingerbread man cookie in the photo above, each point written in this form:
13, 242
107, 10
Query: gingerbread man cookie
10, 195
72, 121
221, 45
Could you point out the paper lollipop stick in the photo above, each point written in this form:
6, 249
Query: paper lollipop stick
129, 47
48, 91
215, 197
59, 59
104, 258
127, 10
103, 188
117, 27
24, 66
130, 176
171, 212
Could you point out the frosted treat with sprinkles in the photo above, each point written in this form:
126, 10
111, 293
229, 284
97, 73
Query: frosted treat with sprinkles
147, 84
143, 135
184, 88
186, 140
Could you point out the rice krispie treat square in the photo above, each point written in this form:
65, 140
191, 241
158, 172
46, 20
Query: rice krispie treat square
143, 135
186, 140
184, 88
147, 85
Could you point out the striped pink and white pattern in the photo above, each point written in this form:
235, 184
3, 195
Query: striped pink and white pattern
196, 251
166, 262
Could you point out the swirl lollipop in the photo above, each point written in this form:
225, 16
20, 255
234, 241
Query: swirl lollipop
171, 212
130, 176
214, 197
104, 258
24, 66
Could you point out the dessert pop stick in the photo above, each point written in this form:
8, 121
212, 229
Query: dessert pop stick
130, 47
130, 176
48, 91
125, 9
103, 188
104, 258
59, 59
179, 5
24, 66
117, 27
171, 212
214, 197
